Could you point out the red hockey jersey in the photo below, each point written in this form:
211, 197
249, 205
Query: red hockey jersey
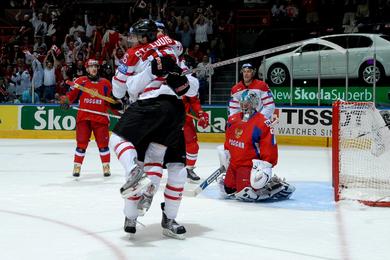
87, 101
250, 140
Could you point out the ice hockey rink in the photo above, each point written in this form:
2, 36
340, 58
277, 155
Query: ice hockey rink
46, 214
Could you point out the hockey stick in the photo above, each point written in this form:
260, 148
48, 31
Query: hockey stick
197, 118
374, 130
209, 180
96, 112
92, 92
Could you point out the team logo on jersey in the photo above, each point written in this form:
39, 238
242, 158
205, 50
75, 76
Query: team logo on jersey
122, 68
238, 132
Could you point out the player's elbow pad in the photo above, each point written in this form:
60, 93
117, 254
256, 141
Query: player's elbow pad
118, 91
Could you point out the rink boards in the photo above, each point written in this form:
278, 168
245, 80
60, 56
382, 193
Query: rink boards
309, 126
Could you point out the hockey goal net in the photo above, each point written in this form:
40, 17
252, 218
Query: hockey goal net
361, 153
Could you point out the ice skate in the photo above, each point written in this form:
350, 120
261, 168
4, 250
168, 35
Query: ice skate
170, 227
146, 200
76, 169
137, 181
130, 226
106, 170
192, 176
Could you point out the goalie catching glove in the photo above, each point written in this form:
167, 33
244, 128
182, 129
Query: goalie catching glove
261, 173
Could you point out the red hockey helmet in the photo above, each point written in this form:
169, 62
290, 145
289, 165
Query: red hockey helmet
91, 62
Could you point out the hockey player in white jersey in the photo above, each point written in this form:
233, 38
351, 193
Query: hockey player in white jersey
150, 125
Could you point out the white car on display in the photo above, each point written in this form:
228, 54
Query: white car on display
331, 51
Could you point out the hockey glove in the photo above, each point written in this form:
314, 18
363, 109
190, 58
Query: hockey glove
162, 66
203, 119
64, 103
261, 173
179, 84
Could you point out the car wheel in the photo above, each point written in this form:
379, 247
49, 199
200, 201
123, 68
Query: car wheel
278, 75
366, 72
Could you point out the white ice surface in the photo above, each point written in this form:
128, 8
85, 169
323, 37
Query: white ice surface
46, 214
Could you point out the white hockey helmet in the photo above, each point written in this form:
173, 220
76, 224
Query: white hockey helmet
249, 102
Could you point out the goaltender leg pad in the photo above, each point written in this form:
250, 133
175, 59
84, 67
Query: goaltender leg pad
276, 190
248, 194
280, 189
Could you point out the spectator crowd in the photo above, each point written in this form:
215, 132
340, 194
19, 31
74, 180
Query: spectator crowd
50, 42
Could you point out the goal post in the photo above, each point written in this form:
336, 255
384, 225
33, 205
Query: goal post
361, 153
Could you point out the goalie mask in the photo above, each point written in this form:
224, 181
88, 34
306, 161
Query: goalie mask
249, 102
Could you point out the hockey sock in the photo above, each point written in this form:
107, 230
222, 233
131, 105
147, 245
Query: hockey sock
125, 152
153, 166
130, 209
104, 154
177, 175
191, 153
79, 155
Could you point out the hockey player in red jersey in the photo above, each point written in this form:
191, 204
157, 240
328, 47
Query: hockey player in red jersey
87, 122
266, 104
250, 152
192, 147
192, 104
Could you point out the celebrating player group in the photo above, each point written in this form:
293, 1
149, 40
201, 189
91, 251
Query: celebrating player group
153, 83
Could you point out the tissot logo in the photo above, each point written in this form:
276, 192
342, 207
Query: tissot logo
308, 116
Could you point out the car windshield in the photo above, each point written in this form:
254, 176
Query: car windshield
386, 37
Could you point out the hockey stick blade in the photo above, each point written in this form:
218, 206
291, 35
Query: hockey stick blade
209, 180
374, 130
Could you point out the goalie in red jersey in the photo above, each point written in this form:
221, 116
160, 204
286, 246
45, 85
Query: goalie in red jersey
250, 151
88, 122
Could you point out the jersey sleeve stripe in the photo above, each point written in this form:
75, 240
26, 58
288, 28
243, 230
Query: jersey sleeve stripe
269, 103
121, 81
264, 98
150, 89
